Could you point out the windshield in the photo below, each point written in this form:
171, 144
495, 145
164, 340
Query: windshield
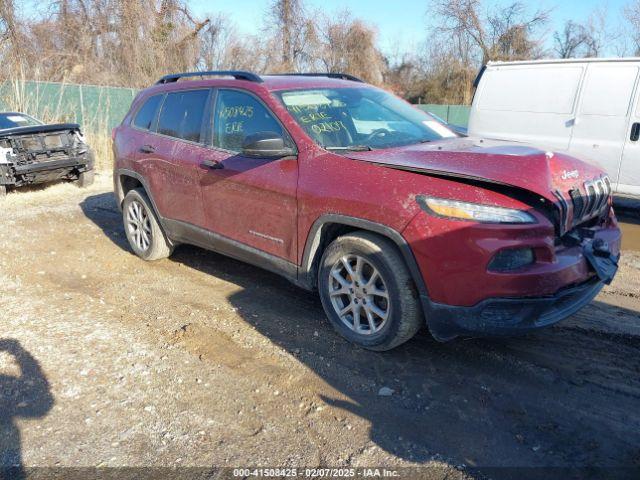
360, 118
13, 120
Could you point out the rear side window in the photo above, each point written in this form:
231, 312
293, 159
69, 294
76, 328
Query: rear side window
147, 113
536, 89
608, 90
238, 115
182, 113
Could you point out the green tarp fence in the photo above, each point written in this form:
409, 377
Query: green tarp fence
95, 108
453, 114
99, 109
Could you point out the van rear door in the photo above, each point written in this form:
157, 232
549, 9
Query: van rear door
532, 103
601, 123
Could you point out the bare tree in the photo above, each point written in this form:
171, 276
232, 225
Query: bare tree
590, 39
348, 45
126, 42
290, 27
12, 39
569, 42
506, 33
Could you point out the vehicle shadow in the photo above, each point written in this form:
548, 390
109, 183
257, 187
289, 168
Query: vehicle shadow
553, 398
26, 395
102, 210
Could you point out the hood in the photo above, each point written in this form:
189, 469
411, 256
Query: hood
38, 129
490, 161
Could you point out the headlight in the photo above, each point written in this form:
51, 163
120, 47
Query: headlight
473, 211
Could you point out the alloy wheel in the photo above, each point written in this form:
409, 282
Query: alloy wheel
359, 294
139, 225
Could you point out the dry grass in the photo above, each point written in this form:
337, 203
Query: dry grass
101, 145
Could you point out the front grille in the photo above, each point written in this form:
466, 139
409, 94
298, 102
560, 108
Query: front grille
578, 202
591, 201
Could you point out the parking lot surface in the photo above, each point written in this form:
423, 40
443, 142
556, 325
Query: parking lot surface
200, 360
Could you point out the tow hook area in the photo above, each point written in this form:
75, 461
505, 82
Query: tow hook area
601, 259
597, 253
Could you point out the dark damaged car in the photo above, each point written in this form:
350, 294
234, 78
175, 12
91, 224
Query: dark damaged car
346, 189
32, 152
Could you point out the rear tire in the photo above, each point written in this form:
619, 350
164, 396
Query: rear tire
85, 179
3, 191
367, 291
143, 230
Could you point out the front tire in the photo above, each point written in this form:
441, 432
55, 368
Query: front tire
146, 238
367, 291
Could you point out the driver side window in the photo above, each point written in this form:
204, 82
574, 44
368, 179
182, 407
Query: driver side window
238, 115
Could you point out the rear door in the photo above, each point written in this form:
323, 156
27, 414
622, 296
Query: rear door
249, 200
171, 155
602, 119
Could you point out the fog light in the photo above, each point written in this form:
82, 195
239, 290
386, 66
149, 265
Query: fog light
511, 259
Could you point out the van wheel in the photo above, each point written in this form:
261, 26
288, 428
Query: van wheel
85, 179
367, 291
142, 228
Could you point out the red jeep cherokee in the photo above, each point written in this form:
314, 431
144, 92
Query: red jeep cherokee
345, 188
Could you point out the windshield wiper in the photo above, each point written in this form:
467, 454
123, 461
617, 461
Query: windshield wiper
350, 148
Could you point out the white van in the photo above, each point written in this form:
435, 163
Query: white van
589, 108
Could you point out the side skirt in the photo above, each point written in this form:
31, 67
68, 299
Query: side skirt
181, 232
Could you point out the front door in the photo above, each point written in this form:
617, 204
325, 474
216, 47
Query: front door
249, 200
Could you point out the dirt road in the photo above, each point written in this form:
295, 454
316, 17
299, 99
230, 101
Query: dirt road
200, 360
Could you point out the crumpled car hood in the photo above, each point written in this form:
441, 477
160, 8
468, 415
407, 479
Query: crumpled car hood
493, 161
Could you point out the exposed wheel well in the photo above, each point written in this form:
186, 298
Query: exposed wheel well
328, 233
331, 226
124, 184
128, 183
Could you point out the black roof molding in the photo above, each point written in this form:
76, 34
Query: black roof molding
341, 76
476, 81
237, 74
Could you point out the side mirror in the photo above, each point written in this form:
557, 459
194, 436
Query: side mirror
266, 145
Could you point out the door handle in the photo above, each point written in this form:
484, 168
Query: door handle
213, 165
635, 132
147, 149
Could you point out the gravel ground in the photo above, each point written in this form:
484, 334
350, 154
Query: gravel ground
200, 360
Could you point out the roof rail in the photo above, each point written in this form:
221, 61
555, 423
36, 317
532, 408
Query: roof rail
341, 76
237, 74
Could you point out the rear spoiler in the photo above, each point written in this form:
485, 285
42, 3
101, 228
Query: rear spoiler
39, 129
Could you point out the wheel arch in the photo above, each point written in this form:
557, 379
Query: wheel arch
328, 227
125, 180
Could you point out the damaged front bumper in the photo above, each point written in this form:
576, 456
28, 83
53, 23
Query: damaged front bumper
511, 316
66, 168
42, 153
507, 316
